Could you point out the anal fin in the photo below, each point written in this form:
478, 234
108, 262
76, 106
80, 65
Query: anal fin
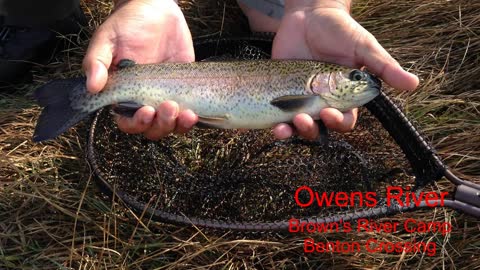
324, 136
127, 109
211, 121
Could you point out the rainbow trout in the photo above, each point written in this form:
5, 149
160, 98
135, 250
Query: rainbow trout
230, 94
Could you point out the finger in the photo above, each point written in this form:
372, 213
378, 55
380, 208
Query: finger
380, 62
283, 131
284, 48
305, 126
341, 122
97, 60
164, 122
185, 121
139, 123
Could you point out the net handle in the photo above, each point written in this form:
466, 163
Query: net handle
425, 163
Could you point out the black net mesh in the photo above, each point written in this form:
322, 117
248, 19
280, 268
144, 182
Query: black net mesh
234, 177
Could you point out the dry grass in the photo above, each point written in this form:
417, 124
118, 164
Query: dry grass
52, 216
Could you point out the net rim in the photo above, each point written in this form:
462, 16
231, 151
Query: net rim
382, 107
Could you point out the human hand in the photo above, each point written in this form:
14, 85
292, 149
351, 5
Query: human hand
323, 30
146, 31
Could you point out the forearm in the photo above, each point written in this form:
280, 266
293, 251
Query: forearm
338, 4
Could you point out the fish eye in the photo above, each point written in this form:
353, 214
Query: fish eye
356, 75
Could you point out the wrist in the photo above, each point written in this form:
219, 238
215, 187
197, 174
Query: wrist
343, 5
118, 3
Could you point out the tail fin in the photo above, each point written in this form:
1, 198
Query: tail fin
58, 115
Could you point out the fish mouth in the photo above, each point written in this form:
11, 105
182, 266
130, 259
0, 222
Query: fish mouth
374, 81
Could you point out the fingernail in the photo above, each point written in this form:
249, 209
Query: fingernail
186, 124
89, 84
284, 132
147, 119
170, 114
302, 128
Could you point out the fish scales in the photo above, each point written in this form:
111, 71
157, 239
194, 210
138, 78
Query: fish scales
215, 88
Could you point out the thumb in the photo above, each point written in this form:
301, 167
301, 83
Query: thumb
380, 62
97, 61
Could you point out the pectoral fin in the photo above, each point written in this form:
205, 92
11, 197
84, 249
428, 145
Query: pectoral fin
125, 63
211, 121
292, 102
